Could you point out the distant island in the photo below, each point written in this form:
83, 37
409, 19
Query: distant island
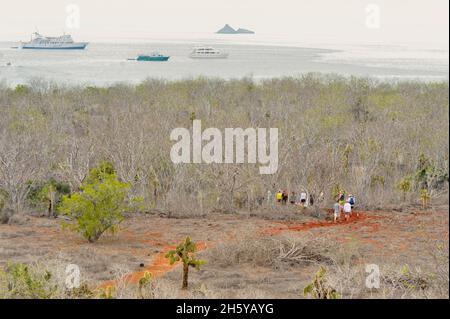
227, 29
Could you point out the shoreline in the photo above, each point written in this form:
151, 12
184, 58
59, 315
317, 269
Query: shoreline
389, 80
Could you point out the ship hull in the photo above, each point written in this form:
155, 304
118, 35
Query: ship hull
153, 59
206, 57
76, 46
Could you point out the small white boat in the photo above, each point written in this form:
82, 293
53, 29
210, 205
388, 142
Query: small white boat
203, 52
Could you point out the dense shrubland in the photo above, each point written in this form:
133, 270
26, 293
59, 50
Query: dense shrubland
383, 142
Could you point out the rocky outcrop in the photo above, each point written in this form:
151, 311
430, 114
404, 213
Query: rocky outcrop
241, 30
227, 29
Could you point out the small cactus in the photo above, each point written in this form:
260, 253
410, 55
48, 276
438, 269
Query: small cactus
405, 186
319, 288
425, 197
108, 292
145, 282
185, 252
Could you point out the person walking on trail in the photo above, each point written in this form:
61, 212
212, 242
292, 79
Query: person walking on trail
341, 199
311, 200
352, 201
284, 197
337, 211
303, 197
279, 196
347, 210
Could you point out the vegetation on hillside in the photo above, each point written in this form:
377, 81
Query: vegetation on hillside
384, 142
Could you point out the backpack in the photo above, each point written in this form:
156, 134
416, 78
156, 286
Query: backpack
352, 201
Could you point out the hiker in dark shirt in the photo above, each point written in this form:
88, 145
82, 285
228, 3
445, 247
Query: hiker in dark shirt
284, 197
311, 200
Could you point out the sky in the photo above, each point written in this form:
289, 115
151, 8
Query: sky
348, 21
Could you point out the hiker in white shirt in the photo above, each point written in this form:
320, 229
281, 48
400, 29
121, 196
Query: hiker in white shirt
347, 210
303, 197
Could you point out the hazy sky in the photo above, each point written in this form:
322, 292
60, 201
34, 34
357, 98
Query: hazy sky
297, 20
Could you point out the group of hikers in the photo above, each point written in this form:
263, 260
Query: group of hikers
295, 199
343, 206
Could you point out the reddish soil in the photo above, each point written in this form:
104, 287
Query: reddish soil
292, 226
158, 267
146, 239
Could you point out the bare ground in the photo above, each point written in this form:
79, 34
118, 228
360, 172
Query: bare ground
247, 254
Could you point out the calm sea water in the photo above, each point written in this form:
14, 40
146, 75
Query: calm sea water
104, 64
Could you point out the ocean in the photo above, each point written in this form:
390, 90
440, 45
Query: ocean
104, 64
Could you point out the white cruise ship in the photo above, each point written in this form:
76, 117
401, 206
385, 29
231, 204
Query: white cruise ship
64, 42
202, 52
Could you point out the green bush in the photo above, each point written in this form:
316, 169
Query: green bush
405, 186
22, 89
19, 281
100, 204
47, 194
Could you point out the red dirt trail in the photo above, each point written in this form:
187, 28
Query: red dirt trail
160, 264
289, 226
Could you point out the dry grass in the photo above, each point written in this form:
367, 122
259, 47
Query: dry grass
344, 274
411, 250
275, 252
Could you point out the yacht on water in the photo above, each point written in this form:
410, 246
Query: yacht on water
154, 56
202, 52
64, 42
